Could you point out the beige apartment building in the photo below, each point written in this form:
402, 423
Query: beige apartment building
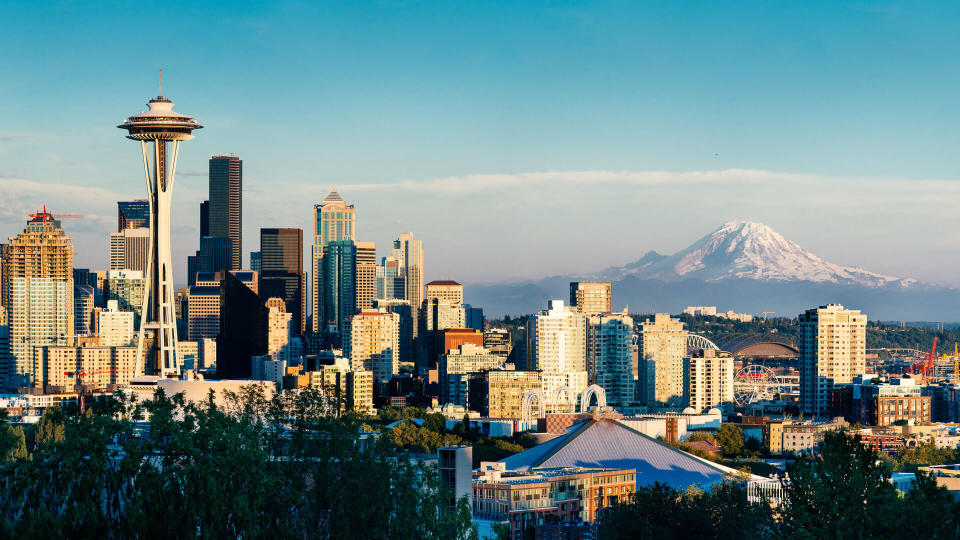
708, 380
499, 393
590, 297
374, 342
448, 292
661, 344
65, 368
832, 347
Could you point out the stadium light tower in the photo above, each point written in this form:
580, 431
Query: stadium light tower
154, 129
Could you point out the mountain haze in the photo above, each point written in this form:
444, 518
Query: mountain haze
744, 266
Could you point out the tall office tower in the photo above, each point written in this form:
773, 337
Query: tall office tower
115, 326
661, 346
498, 342
337, 287
281, 275
708, 380
127, 288
83, 276
255, 261
159, 126
203, 312
473, 317
590, 297
832, 347
3, 286
215, 254
226, 203
133, 214
405, 326
411, 253
83, 304
610, 355
373, 343
436, 315
390, 278
130, 249
39, 275
243, 328
455, 367
366, 272
332, 222
6, 358
204, 219
557, 346
449, 292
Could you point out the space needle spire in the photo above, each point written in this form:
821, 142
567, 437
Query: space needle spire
155, 129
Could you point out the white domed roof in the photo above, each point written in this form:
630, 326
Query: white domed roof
715, 412
689, 410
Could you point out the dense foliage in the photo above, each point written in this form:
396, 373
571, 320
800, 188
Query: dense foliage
845, 492
278, 467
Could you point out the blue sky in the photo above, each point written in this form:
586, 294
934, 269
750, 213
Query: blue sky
834, 123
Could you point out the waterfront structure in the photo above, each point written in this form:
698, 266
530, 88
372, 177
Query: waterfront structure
38, 278
455, 366
133, 214
610, 342
661, 346
115, 327
708, 380
225, 212
373, 343
154, 129
500, 393
130, 249
590, 297
282, 275
333, 221
526, 499
832, 346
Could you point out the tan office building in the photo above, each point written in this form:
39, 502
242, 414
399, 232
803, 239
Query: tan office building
590, 297
374, 343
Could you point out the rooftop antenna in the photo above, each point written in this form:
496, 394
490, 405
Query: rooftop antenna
161, 83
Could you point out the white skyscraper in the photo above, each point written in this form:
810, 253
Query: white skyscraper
610, 340
708, 380
116, 327
662, 344
557, 346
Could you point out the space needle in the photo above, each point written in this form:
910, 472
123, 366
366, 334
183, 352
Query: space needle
154, 129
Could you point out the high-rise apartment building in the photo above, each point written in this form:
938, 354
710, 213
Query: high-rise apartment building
405, 321
282, 275
373, 344
610, 341
499, 393
83, 306
126, 287
115, 326
332, 222
226, 204
279, 326
556, 339
590, 297
40, 310
708, 380
133, 214
661, 344
411, 254
366, 275
832, 347
391, 281
130, 249
498, 342
64, 368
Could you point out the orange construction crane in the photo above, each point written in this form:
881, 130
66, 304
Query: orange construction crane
46, 216
925, 367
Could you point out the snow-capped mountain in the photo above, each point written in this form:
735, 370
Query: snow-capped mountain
747, 250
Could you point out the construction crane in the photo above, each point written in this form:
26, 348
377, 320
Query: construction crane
925, 367
765, 313
46, 216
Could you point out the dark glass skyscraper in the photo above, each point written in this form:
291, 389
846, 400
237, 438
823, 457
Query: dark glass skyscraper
133, 214
281, 271
226, 206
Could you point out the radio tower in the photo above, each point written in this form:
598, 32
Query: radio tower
154, 129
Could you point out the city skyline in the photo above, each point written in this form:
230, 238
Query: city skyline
636, 128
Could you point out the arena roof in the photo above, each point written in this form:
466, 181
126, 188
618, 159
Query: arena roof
765, 344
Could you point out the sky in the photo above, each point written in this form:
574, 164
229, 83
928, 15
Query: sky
516, 139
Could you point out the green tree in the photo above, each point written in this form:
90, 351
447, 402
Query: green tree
18, 448
730, 439
435, 422
51, 428
844, 492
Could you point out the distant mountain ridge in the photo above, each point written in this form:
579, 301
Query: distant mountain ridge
744, 266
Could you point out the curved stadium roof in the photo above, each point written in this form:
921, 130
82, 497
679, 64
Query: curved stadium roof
765, 344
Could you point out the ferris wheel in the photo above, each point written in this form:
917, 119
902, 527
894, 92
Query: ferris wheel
754, 383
